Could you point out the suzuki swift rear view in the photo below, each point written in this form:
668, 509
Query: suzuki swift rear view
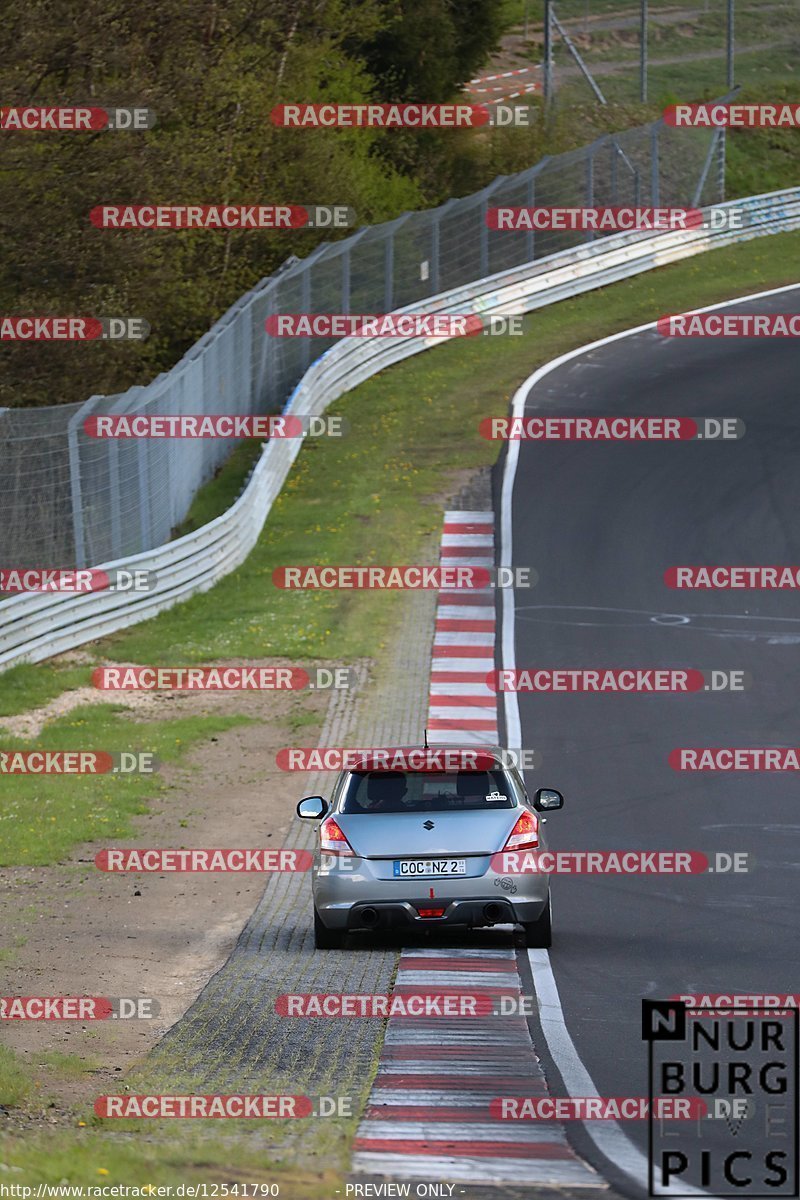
410, 848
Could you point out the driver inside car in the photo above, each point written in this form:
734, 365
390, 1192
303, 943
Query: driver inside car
385, 793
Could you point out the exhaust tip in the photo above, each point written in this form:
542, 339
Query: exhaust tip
495, 913
369, 916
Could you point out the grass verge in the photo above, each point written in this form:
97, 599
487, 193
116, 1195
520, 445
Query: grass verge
43, 816
16, 1084
31, 685
80, 1157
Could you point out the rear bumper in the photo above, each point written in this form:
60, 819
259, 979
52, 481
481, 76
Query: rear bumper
342, 889
471, 912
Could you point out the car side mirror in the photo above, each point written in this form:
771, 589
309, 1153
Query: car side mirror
312, 808
546, 799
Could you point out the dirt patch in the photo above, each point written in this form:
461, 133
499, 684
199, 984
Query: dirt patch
73, 930
30, 724
149, 705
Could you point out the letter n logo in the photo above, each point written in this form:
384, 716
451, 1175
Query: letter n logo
663, 1021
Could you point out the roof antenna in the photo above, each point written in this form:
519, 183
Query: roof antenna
427, 747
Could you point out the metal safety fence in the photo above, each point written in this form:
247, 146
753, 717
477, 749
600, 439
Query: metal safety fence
73, 500
37, 626
649, 50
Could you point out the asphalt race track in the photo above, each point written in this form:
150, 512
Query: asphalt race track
601, 523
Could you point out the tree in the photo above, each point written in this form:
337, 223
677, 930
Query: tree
426, 49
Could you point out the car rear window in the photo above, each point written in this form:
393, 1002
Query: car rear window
426, 791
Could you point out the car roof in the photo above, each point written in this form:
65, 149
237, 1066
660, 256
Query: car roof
444, 756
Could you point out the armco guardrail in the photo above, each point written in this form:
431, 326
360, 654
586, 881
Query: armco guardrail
38, 626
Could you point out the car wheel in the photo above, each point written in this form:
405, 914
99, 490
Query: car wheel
539, 933
327, 939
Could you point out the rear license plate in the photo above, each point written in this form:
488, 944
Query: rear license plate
408, 867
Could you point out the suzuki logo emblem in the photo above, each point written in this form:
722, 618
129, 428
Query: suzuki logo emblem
428, 825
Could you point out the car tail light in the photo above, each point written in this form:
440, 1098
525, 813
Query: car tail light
332, 840
431, 912
525, 834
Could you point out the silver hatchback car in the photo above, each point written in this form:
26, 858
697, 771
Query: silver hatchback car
424, 847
